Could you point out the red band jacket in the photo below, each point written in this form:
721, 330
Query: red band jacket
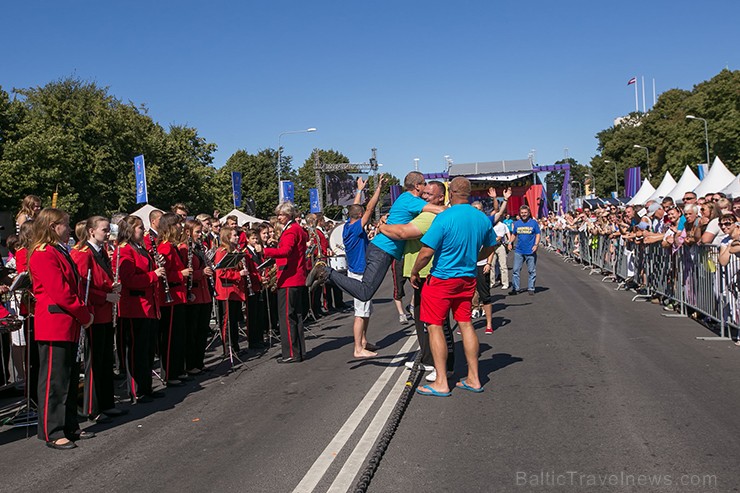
138, 283
101, 282
290, 256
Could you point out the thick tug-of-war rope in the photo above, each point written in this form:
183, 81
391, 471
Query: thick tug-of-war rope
373, 462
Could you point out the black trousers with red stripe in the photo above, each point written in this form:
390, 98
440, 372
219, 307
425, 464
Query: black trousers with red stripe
197, 328
292, 340
232, 314
257, 319
140, 336
98, 390
57, 390
172, 341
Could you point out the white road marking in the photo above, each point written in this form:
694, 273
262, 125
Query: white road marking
343, 482
325, 459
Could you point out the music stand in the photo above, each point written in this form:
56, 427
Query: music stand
230, 261
25, 415
266, 293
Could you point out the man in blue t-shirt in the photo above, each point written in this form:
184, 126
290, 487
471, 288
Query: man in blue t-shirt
355, 242
382, 250
526, 237
454, 240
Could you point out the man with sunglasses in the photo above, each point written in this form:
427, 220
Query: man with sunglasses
689, 198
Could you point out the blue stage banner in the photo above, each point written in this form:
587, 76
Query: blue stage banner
313, 197
236, 188
396, 192
140, 174
287, 193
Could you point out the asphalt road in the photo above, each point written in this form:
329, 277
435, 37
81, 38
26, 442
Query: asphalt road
583, 387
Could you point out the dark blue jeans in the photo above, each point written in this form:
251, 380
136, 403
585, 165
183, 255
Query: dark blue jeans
377, 263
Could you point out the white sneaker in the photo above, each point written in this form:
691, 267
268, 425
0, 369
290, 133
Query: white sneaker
504, 286
475, 314
432, 376
410, 366
403, 319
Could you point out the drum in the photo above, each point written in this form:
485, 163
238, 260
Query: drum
336, 243
12, 323
338, 263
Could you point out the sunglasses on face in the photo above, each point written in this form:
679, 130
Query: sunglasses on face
689, 198
725, 225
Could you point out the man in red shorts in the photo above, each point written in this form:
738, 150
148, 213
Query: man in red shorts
454, 240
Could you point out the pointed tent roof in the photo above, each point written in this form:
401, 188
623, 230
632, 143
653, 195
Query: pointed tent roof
686, 183
242, 217
643, 194
717, 179
665, 186
733, 189
143, 214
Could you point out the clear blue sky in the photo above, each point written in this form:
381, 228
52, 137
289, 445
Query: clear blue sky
478, 81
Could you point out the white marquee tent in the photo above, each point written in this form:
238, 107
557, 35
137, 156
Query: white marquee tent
716, 180
733, 189
242, 217
643, 194
686, 183
143, 213
665, 186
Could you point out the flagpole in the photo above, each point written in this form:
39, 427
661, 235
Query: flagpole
233, 195
643, 94
146, 189
637, 104
653, 91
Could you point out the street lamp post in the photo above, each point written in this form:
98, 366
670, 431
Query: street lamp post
706, 133
308, 130
416, 164
636, 146
616, 182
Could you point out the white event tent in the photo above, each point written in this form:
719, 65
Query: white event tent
242, 217
643, 194
143, 213
716, 180
733, 189
665, 186
686, 183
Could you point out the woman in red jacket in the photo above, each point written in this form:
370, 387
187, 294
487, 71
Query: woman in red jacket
290, 256
171, 296
138, 309
230, 288
60, 311
198, 308
91, 256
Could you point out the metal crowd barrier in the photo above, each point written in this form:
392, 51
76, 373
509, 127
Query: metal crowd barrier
691, 279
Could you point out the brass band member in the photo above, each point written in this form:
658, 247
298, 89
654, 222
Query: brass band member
139, 307
172, 300
152, 235
230, 290
90, 256
60, 312
290, 255
198, 308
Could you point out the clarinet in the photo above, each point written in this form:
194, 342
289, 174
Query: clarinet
115, 281
161, 263
249, 277
191, 295
208, 255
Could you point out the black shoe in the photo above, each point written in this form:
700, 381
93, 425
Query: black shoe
64, 446
513, 292
289, 360
174, 383
113, 412
83, 435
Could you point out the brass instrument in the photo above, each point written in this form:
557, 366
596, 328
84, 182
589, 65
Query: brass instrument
191, 295
208, 256
249, 277
159, 260
271, 278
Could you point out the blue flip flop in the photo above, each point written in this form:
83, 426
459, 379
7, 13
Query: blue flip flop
468, 387
432, 392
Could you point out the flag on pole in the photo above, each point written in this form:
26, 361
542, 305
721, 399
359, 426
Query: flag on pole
287, 192
313, 194
140, 173
236, 188
633, 80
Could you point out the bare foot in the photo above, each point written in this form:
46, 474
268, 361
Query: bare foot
365, 354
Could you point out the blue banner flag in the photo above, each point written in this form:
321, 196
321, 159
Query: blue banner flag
287, 193
313, 197
140, 173
236, 188
396, 192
